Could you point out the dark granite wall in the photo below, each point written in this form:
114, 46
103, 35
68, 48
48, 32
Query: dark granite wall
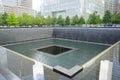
11, 35
99, 35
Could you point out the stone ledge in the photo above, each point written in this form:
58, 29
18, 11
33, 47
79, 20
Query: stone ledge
68, 72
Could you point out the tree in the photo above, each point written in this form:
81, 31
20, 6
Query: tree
116, 18
0, 19
11, 19
94, 19
98, 19
36, 21
3, 18
67, 20
107, 17
25, 20
81, 21
74, 20
53, 21
19, 19
48, 21
60, 21
41, 20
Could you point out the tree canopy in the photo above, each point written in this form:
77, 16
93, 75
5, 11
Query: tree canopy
116, 18
3, 18
25, 19
48, 21
74, 20
11, 19
60, 21
67, 20
81, 21
94, 19
107, 17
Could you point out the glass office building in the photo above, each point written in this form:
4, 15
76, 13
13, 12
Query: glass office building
9, 2
111, 5
18, 7
119, 6
1, 7
71, 7
23, 3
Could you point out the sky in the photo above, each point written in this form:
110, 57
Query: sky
36, 4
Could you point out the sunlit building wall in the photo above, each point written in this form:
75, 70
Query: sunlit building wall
23, 3
71, 7
1, 7
9, 2
26, 3
19, 10
18, 7
111, 5
92, 6
119, 6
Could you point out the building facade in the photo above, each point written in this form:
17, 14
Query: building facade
18, 7
71, 7
26, 3
9, 2
119, 6
1, 7
111, 5
19, 10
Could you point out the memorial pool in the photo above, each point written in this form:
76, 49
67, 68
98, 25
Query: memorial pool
74, 53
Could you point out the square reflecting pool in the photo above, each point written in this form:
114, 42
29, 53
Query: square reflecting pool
54, 50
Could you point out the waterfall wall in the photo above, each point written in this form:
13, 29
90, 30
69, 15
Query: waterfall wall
99, 35
11, 35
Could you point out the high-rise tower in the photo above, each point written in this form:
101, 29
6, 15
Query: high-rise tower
23, 3
72, 7
111, 5
18, 6
26, 3
119, 6
1, 7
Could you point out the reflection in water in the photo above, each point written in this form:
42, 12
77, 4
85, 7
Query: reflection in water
38, 71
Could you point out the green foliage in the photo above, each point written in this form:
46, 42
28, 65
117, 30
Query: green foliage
3, 18
11, 19
116, 18
94, 19
0, 19
48, 21
74, 20
54, 21
107, 17
41, 20
98, 19
67, 20
36, 21
25, 20
20, 22
91, 19
60, 21
81, 21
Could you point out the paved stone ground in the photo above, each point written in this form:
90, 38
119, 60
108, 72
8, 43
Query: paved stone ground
116, 65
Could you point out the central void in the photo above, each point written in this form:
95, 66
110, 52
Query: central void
53, 52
